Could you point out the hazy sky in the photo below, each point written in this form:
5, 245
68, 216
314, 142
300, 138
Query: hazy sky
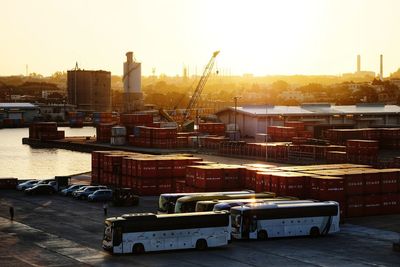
261, 37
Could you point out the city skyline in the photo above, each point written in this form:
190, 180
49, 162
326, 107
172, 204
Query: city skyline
259, 37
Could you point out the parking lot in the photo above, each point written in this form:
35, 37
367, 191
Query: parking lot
60, 231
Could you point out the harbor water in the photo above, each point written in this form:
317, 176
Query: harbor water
22, 161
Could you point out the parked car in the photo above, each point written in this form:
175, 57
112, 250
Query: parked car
72, 188
40, 189
84, 193
101, 195
27, 184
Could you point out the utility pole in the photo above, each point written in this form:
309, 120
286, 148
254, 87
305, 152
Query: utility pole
266, 132
236, 99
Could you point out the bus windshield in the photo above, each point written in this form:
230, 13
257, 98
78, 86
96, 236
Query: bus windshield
166, 202
235, 221
108, 231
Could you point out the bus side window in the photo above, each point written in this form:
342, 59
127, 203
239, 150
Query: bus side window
117, 236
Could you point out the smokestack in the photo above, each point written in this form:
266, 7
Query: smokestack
358, 63
381, 68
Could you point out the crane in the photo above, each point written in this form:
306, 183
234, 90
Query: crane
188, 124
199, 88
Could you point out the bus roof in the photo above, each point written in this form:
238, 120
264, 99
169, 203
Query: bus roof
152, 216
207, 193
223, 196
274, 205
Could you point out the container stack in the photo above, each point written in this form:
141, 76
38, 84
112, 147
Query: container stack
12, 122
130, 121
214, 177
212, 128
388, 138
45, 131
362, 151
146, 174
76, 119
154, 137
103, 132
211, 142
103, 117
366, 192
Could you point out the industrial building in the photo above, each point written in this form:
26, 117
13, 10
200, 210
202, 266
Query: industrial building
133, 96
318, 117
89, 90
17, 114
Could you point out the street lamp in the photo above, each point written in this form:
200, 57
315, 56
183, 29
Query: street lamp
236, 99
266, 132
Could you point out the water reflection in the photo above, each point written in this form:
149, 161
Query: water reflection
22, 161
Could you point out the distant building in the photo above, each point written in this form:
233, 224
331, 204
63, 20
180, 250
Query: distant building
318, 117
55, 112
24, 112
89, 90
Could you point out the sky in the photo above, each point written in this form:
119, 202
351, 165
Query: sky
266, 37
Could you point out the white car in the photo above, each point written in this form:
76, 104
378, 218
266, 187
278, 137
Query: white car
27, 184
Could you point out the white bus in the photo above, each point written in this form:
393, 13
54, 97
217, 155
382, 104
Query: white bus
208, 205
167, 201
227, 205
188, 203
140, 232
268, 220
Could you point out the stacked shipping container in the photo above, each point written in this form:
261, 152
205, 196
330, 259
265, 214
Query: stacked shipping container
45, 131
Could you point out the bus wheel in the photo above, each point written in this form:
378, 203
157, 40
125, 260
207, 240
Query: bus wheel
201, 244
138, 249
314, 232
262, 235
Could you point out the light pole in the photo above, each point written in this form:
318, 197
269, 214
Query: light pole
266, 132
236, 99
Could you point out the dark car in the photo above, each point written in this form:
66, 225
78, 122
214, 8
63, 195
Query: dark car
101, 195
40, 189
84, 193
68, 191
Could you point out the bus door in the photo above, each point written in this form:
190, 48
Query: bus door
117, 240
253, 226
249, 226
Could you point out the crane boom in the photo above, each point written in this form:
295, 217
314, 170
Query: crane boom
199, 88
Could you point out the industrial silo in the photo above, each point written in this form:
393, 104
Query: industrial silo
133, 96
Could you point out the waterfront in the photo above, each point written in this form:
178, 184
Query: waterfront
22, 161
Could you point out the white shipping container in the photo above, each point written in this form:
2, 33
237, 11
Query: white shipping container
118, 140
117, 131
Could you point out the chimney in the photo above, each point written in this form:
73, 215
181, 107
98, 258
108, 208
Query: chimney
381, 68
358, 63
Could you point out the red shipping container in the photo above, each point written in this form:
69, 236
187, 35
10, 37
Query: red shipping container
354, 183
191, 174
372, 182
292, 184
372, 205
209, 178
274, 183
390, 180
165, 167
355, 206
147, 167
390, 203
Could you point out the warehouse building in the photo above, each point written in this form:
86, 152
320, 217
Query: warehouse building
89, 90
317, 117
17, 114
